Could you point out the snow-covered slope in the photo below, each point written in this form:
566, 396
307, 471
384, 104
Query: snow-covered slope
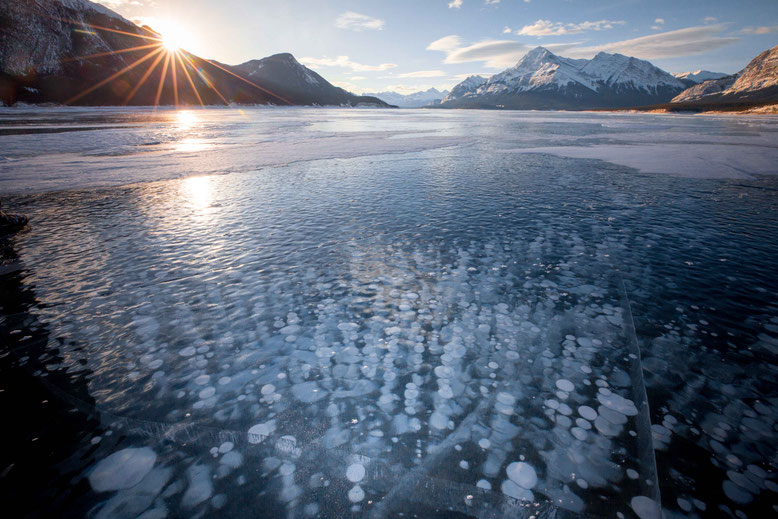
757, 83
541, 79
468, 87
538, 69
619, 71
699, 76
420, 99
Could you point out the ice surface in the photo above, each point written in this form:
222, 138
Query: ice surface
451, 320
87, 147
697, 160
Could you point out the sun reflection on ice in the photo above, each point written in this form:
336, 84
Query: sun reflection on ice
186, 119
198, 191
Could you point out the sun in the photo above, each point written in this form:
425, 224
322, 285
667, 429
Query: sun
173, 39
173, 36
171, 42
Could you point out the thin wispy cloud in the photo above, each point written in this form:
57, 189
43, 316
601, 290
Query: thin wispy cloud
759, 30
422, 73
358, 22
498, 54
455, 4
494, 53
671, 44
549, 28
345, 62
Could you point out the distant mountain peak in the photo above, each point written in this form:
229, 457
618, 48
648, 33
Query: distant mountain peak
606, 78
699, 76
423, 98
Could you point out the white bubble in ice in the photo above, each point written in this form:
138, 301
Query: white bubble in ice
188, 351
202, 380
356, 494
438, 420
565, 385
464, 465
506, 399
259, 432
355, 472
482, 483
522, 474
308, 392
207, 392
645, 507
587, 412
267, 389
122, 469
509, 488
484, 443
446, 392
226, 447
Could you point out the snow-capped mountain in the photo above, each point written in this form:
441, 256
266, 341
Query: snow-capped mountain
543, 80
757, 83
699, 76
430, 97
468, 87
75, 51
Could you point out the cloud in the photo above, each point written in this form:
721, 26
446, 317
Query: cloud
710, 19
494, 53
455, 4
491, 2
422, 73
498, 54
345, 62
759, 30
507, 30
446, 43
549, 28
358, 22
659, 21
671, 44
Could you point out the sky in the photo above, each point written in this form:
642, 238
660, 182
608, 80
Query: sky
411, 45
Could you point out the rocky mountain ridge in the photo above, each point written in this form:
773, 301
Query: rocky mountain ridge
543, 80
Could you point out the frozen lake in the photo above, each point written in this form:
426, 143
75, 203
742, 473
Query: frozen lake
365, 313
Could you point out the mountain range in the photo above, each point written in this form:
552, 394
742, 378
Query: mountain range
80, 52
698, 76
421, 99
543, 80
